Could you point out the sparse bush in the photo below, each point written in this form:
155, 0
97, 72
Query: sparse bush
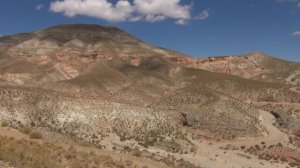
29, 153
126, 148
25, 130
4, 124
291, 140
194, 149
35, 135
85, 144
137, 153
283, 159
292, 164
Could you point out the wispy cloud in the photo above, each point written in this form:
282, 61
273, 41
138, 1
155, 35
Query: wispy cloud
39, 7
296, 33
125, 10
203, 15
181, 22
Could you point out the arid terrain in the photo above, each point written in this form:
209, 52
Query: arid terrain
93, 96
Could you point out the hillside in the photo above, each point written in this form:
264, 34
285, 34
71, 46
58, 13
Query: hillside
256, 65
102, 86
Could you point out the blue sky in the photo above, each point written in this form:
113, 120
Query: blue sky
199, 28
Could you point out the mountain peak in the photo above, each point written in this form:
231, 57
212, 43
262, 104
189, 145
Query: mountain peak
85, 33
82, 27
257, 54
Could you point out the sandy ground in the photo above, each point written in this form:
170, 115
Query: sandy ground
211, 156
208, 155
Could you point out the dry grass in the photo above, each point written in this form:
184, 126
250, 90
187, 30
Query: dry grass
35, 135
4, 124
29, 154
22, 153
32, 134
25, 130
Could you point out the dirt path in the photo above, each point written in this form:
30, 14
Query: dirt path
209, 155
274, 134
213, 156
272, 137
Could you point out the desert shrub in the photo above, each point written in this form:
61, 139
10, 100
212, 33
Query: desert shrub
137, 153
290, 140
283, 159
126, 148
143, 144
25, 130
122, 139
257, 147
35, 135
4, 124
85, 144
194, 149
292, 164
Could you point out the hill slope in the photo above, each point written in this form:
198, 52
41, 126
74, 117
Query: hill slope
103, 86
256, 65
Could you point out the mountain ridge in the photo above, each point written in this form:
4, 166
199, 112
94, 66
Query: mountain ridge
97, 27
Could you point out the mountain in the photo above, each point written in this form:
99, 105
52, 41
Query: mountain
102, 86
257, 66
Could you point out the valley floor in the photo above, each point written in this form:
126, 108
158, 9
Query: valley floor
23, 148
207, 154
210, 155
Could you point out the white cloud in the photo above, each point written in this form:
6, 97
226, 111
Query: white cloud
125, 10
203, 15
162, 8
39, 7
296, 33
135, 18
102, 9
181, 22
